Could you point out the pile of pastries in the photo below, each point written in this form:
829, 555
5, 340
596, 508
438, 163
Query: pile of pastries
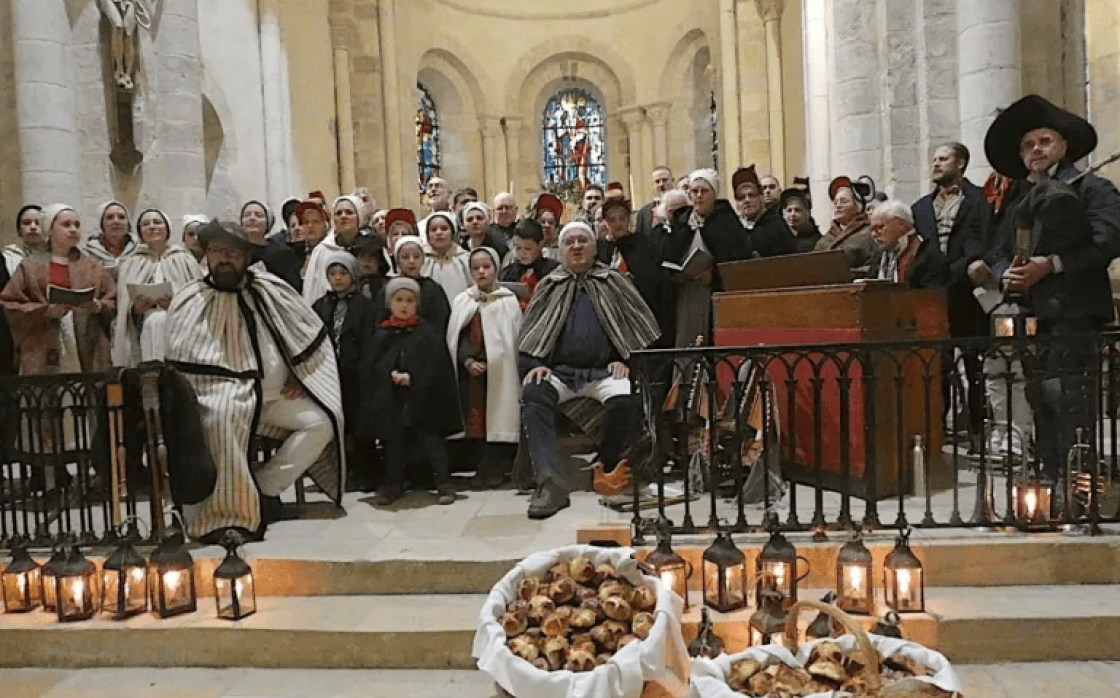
828, 669
577, 616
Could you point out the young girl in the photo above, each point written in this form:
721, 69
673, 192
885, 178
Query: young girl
370, 251
349, 318
447, 262
411, 402
482, 337
399, 222
409, 255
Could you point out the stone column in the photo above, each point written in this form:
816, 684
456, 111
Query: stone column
856, 124
771, 12
45, 106
1103, 56
493, 155
345, 115
990, 70
513, 155
277, 105
731, 146
394, 152
633, 119
179, 106
658, 114
819, 121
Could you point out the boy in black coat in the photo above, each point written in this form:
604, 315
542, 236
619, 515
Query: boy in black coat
529, 264
348, 316
412, 398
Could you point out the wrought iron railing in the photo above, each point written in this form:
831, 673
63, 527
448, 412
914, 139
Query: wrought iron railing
837, 436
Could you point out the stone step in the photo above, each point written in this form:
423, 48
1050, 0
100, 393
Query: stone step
968, 624
1001, 560
1051, 679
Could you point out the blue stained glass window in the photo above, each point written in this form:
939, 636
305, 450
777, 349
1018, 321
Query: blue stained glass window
428, 155
575, 144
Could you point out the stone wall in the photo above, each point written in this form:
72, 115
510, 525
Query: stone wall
11, 182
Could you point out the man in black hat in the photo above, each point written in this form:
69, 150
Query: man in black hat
763, 225
796, 205
255, 354
1055, 250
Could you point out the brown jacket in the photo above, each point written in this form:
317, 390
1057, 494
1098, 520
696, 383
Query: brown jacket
37, 336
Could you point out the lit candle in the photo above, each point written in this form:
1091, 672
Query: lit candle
780, 575
1031, 501
78, 590
904, 585
21, 580
855, 582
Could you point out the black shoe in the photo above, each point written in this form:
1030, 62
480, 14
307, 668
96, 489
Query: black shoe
548, 500
273, 510
386, 497
446, 494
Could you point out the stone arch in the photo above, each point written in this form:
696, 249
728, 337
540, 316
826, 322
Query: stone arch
459, 100
581, 49
220, 150
554, 73
684, 79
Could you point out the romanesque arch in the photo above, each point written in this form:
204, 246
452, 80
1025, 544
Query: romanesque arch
459, 98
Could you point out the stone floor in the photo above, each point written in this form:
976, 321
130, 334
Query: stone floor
1052, 680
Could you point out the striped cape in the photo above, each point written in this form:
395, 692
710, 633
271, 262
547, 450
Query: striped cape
625, 317
211, 341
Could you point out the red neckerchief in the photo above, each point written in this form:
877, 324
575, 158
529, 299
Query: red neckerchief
995, 190
396, 323
907, 256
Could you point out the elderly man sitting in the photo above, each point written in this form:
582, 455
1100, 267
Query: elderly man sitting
904, 256
579, 330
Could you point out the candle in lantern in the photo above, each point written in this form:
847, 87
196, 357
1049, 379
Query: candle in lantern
1031, 500
78, 592
904, 585
855, 582
780, 575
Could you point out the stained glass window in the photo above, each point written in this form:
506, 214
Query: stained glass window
575, 144
428, 156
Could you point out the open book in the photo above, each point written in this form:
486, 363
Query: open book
150, 291
696, 264
69, 296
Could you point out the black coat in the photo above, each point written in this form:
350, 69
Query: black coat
351, 344
7, 348
512, 272
280, 260
723, 234
771, 237
430, 403
434, 306
1063, 224
930, 268
643, 222
968, 241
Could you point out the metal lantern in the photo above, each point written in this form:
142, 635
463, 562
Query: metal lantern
47, 579
20, 582
768, 623
1032, 501
234, 592
1011, 320
171, 577
725, 575
75, 587
124, 582
777, 570
903, 580
855, 589
668, 566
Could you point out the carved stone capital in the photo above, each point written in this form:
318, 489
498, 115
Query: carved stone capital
514, 124
491, 126
632, 117
658, 113
770, 10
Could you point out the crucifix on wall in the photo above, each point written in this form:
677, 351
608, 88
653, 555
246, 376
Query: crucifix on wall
124, 17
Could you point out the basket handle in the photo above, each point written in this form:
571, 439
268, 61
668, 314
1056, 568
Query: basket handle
870, 670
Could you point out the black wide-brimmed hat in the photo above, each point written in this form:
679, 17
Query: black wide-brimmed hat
1001, 144
795, 193
225, 231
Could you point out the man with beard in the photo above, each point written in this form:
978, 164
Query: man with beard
257, 359
956, 217
662, 183
767, 232
592, 199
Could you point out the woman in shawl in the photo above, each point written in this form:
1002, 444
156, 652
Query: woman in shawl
482, 339
192, 225
55, 337
447, 262
477, 231
399, 222
342, 238
32, 238
278, 258
851, 228
548, 210
114, 242
140, 331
